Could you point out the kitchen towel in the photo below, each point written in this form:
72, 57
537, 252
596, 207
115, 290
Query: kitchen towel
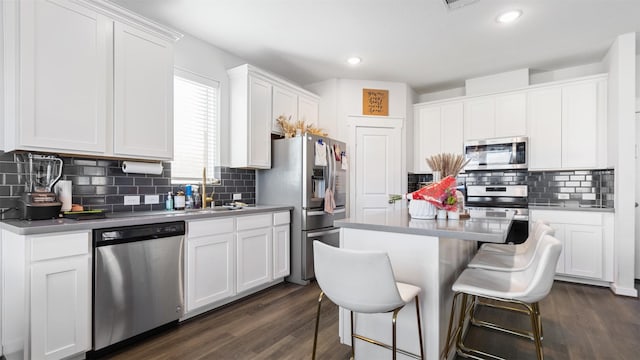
329, 201
321, 154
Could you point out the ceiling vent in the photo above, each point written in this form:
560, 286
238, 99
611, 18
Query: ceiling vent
456, 4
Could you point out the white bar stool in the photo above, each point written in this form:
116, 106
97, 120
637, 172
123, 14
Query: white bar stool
509, 249
363, 282
517, 259
522, 288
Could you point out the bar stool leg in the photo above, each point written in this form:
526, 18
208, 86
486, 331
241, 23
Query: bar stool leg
450, 336
419, 328
315, 337
393, 331
535, 327
353, 337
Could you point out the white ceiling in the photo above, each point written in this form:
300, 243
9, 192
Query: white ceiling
418, 42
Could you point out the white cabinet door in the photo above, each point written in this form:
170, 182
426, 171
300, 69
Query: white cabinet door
285, 103
511, 115
308, 110
583, 251
580, 125
63, 80
281, 236
60, 307
545, 128
451, 128
438, 129
255, 254
143, 94
479, 118
210, 269
259, 138
427, 137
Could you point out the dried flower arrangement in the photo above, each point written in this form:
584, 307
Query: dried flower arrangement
447, 164
290, 129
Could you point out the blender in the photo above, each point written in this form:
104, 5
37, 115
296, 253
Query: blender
40, 173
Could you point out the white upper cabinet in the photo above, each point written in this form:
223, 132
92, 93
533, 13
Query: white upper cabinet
309, 110
584, 124
60, 60
258, 98
511, 115
143, 73
495, 116
567, 125
285, 103
545, 128
61, 80
438, 129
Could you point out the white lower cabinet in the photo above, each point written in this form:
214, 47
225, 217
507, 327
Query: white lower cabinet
228, 258
46, 299
587, 243
281, 237
255, 253
210, 262
60, 307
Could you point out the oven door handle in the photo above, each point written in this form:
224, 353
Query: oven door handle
322, 233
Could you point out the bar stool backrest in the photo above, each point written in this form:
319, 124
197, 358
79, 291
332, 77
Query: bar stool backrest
541, 273
360, 281
540, 229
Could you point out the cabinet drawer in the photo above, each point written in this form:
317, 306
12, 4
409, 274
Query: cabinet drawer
53, 246
281, 218
567, 217
207, 227
254, 221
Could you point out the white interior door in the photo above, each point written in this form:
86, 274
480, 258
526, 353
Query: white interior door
378, 168
637, 222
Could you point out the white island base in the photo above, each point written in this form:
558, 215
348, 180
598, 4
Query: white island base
430, 262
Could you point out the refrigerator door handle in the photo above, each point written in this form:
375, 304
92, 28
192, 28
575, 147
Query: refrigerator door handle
316, 213
322, 233
339, 211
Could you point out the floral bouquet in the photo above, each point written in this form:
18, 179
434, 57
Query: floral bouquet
441, 194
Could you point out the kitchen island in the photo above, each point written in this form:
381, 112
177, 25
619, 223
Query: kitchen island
427, 253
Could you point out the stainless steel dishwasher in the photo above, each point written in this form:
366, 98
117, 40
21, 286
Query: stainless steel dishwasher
137, 285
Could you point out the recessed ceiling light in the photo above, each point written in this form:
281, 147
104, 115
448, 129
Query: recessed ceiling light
509, 16
354, 60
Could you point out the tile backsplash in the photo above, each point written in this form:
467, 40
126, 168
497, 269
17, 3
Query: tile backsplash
101, 184
547, 188
580, 187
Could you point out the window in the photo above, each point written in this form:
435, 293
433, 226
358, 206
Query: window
195, 128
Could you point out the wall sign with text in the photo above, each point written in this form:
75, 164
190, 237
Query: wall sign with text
375, 102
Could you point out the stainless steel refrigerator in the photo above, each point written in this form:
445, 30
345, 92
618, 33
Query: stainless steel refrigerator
298, 177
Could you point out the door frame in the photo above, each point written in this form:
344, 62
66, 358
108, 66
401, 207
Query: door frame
356, 121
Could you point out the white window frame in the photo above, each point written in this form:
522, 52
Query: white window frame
213, 174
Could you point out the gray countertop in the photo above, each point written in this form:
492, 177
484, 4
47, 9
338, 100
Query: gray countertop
399, 221
25, 227
564, 207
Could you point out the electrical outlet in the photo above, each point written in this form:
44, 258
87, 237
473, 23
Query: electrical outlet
237, 196
132, 200
152, 199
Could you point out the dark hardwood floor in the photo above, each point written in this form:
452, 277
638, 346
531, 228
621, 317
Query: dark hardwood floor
580, 322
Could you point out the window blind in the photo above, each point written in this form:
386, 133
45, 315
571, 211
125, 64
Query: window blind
195, 127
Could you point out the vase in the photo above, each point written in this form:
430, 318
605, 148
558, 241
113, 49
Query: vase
421, 209
453, 215
442, 214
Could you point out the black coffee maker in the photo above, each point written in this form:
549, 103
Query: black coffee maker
39, 173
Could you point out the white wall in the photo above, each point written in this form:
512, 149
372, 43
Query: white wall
637, 80
620, 63
207, 60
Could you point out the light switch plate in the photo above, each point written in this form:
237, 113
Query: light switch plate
132, 200
237, 196
152, 199
563, 196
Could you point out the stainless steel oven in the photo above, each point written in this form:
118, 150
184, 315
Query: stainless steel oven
498, 153
501, 201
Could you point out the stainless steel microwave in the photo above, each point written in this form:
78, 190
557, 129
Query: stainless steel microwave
498, 153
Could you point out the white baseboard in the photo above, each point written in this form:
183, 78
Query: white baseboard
624, 291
